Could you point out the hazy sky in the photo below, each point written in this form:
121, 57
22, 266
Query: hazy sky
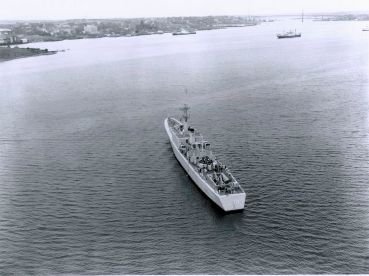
64, 9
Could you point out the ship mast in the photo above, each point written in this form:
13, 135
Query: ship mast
185, 115
302, 16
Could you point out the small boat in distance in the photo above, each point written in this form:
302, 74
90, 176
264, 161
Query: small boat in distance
289, 34
184, 32
366, 29
194, 154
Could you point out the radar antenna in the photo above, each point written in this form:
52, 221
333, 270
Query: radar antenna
185, 115
302, 16
186, 107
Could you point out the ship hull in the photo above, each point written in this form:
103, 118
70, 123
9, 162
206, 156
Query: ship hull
189, 33
229, 202
288, 36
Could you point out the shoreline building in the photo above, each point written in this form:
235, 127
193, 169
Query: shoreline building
5, 35
90, 29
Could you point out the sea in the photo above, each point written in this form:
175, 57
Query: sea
89, 183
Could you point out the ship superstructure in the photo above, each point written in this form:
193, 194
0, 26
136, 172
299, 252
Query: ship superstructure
196, 157
289, 34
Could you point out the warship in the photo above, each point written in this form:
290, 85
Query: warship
289, 34
184, 32
194, 154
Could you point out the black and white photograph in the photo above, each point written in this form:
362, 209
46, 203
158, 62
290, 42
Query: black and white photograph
184, 137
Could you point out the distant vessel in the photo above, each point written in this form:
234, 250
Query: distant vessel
184, 32
289, 34
197, 159
366, 29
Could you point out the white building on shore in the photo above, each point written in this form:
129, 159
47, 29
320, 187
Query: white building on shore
90, 29
4, 35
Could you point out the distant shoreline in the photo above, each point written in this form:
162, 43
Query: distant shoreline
21, 52
7, 53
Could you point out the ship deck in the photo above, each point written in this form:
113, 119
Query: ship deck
207, 177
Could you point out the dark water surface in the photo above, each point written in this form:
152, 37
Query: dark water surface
89, 184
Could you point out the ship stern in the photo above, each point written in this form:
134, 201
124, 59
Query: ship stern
233, 202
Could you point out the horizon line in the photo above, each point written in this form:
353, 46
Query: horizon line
170, 16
